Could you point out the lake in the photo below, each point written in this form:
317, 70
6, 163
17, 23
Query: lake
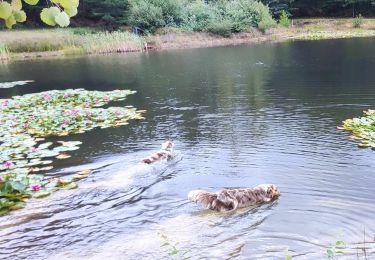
240, 116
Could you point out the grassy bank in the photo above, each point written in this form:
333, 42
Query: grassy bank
20, 44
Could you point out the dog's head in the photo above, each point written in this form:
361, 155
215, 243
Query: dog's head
271, 190
196, 195
168, 145
202, 197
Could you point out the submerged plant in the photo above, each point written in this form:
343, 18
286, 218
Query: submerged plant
25, 122
362, 128
336, 249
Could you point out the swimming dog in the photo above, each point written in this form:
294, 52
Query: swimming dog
232, 199
166, 152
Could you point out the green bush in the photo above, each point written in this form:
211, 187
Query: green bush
284, 19
198, 15
150, 15
245, 13
223, 29
265, 25
358, 21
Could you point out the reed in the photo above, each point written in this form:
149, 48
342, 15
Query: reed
69, 42
4, 53
106, 42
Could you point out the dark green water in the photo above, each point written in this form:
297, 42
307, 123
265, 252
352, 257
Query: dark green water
240, 116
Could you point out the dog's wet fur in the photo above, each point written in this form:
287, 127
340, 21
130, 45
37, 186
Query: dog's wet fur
166, 152
232, 199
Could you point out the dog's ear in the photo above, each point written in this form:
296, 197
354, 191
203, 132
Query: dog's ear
270, 190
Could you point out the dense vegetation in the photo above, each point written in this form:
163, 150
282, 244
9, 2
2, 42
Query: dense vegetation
221, 16
218, 16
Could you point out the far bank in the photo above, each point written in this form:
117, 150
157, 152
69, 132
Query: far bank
31, 44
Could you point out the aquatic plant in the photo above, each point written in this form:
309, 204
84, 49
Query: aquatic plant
25, 122
171, 249
362, 128
336, 249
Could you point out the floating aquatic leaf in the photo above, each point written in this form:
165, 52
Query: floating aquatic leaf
63, 156
70, 186
41, 194
84, 172
69, 144
77, 177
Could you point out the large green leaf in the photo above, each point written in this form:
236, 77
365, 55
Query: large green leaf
48, 15
10, 21
62, 19
16, 5
5, 10
20, 16
71, 11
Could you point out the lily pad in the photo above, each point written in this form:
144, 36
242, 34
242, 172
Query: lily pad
63, 156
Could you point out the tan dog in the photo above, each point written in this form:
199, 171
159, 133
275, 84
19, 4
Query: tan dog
166, 152
232, 199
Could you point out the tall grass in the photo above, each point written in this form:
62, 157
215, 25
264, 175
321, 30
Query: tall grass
106, 42
69, 42
4, 53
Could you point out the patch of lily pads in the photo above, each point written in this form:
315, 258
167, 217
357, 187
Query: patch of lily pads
362, 128
27, 121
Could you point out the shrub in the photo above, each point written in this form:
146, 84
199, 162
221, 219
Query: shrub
265, 25
284, 19
198, 15
358, 21
223, 29
150, 15
245, 13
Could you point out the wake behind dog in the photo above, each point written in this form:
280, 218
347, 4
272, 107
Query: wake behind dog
153, 165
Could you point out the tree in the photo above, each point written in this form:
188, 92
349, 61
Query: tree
110, 13
58, 13
352, 3
277, 6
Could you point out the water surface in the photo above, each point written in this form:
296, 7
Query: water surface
240, 116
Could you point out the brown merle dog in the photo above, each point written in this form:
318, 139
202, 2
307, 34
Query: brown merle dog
232, 199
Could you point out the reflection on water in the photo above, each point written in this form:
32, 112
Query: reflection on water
240, 116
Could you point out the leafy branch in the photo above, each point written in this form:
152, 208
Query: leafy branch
58, 13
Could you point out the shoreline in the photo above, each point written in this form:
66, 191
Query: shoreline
302, 29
